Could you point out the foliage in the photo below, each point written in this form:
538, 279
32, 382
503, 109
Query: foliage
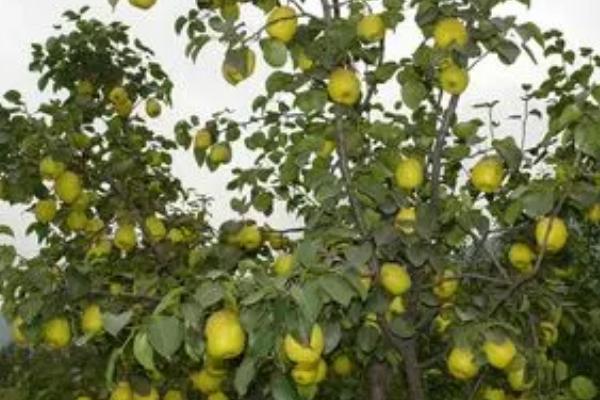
147, 256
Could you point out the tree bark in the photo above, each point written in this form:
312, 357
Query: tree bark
414, 377
378, 381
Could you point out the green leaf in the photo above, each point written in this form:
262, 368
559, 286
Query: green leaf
538, 201
338, 288
587, 138
509, 151
561, 371
306, 253
274, 52
143, 351
358, 256
282, 388
367, 338
308, 300
311, 101
208, 293
165, 334
507, 51
114, 323
244, 375
8, 254
402, 327
413, 93
170, 299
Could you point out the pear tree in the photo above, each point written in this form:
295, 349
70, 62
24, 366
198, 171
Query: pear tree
433, 257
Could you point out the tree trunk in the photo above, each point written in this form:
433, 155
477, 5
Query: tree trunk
378, 381
414, 377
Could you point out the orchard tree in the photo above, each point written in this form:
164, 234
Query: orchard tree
439, 257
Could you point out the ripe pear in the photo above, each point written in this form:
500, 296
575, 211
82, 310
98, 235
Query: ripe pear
203, 139
225, 336
343, 365
462, 364
395, 278
249, 237
454, 79
118, 95
143, 4
68, 187
155, 228
499, 352
220, 153
283, 264
405, 220
217, 396
553, 232
153, 108
122, 391
343, 87
50, 168
450, 32
521, 257
487, 175
45, 210
77, 221
125, 237
409, 174
91, 320
57, 333
446, 285
282, 23
238, 65
206, 383
370, 28
173, 395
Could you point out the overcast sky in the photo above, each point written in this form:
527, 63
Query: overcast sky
200, 90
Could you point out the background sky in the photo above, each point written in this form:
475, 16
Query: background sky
200, 90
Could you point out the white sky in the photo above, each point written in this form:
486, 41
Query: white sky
199, 88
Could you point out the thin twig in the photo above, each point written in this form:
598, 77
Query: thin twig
439, 147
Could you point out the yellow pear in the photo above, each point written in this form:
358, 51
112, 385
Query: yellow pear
91, 320
83, 201
462, 364
118, 95
68, 186
548, 333
84, 398
153, 108
57, 333
155, 228
396, 306
326, 149
249, 237
303, 61
343, 87
125, 238
282, 23
45, 210
454, 79
94, 225
220, 153
321, 371
305, 374
343, 365
305, 354
205, 382
152, 395
85, 88
99, 249
409, 174
225, 336
450, 32
395, 278
551, 232
203, 139
77, 220
235, 71
217, 396
371, 28
405, 220
283, 264
143, 4
489, 393
50, 168
122, 391
173, 395
446, 285
499, 353
521, 257
516, 380
124, 109
175, 235
593, 213
487, 175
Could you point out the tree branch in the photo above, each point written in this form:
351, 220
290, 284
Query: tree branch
378, 377
439, 147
